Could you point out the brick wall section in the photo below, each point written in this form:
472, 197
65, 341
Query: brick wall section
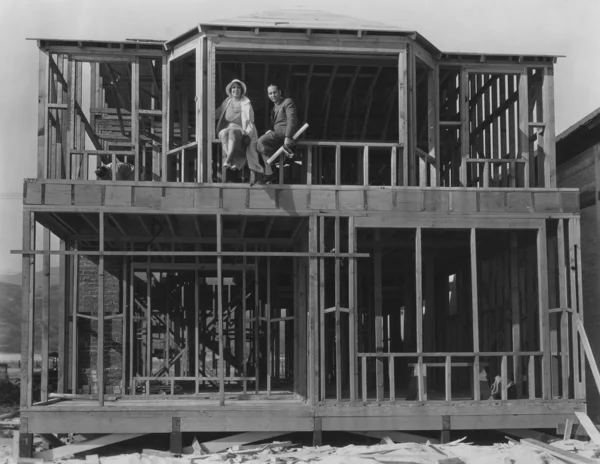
88, 329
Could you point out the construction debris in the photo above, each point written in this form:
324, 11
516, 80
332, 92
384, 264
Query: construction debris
527, 450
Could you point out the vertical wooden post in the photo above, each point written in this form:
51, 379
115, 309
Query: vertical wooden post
578, 265
313, 327
45, 317
366, 165
126, 312
412, 115
564, 321
69, 145
63, 318
257, 317
166, 121
268, 317
524, 126
321, 307
542, 256
578, 392
403, 111
352, 336
100, 353
448, 378
475, 311
74, 321
549, 120
220, 309
42, 142
419, 308
210, 94
309, 165
27, 309
516, 311
197, 330
200, 107
378, 306
338, 342
135, 115
132, 340
148, 367
433, 129
244, 325
463, 96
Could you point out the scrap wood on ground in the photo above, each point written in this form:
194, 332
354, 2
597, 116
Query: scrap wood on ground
530, 451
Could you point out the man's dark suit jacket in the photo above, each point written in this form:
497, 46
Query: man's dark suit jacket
284, 118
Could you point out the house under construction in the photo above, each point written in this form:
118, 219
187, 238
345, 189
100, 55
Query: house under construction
415, 250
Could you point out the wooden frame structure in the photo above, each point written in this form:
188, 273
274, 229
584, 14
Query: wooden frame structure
422, 203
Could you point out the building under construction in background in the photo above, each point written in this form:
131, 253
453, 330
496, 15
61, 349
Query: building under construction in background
415, 251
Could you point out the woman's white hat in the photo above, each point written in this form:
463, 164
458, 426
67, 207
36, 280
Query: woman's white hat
228, 88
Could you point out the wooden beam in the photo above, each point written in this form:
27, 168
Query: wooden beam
475, 313
42, 130
544, 316
419, 311
219, 231
45, 328
223, 444
321, 310
589, 426
63, 321
515, 310
100, 352
549, 120
465, 148
563, 300
524, 126
352, 292
313, 326
433, 129
27, 311
160, 172
378, 313
135, 116
201, 132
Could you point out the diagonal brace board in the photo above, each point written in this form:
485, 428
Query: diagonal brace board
223, 444
88, 445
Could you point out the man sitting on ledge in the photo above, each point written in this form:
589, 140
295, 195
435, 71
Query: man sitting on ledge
284, 124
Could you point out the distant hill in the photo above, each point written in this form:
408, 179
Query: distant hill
10, 314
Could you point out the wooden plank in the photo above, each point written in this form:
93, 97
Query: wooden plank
524, 127
544, 316
448, 378
588, 351
365, 167
475, 315
63, 318
100, 352
419, 310
557, 452
338, 341
321, 308
399, 437
74, 311
589, 426
257, 319
411, 145
160, 172
433, 132
84, 446
364, 379
515, 310
352, 335
313, 326
210, 113
563, 300
45, 328
268, 310
27, 320
403, 110
549, 120
378, 312
219, 232
223, 444
42, 130
464, 119
135, 117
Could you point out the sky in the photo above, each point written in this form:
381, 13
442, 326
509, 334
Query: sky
554, 27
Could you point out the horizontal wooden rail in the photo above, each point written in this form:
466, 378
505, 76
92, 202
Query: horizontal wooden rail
453, 354
193, 253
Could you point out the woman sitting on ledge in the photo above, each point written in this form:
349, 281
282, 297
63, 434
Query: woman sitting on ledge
237, 131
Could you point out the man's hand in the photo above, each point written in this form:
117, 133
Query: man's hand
289, 141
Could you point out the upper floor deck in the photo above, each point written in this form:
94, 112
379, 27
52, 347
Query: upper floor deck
384, 106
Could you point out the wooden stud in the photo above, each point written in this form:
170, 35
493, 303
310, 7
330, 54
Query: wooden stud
135, 117
412, 115
148, 365
309, 165
244, 325
338, 165
268, 319
321, 308
45, 329
364, 378
313, 326
100, 353
531, 377
132, 340
573, 268
433, 126
542, 271
220, 310
419, 310
27, 311
352, 335
126, 322
201, 131
403, 111
394, 167
392, 378
549, 120
504, 377
515, 310
378, 308
463, 96
448, 378
63, 318
165, 121
524, 127
42, 140
257, 319
74, 322
513, 142
475, 315
366, 165
563, 301
338, 342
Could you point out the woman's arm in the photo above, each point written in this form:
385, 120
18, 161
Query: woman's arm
219, 111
